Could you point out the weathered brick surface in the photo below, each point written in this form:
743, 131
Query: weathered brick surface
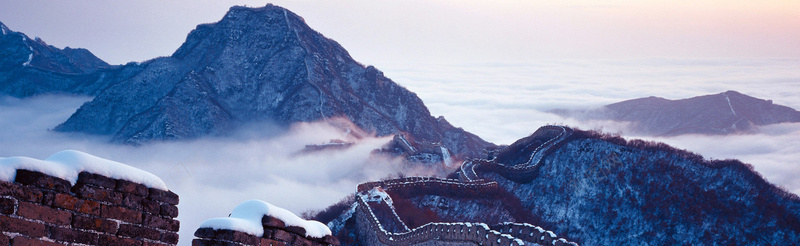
328, 239
169, 237
7, 205
96, 180
38, 209
131, 188
76, 204
21, 226
211, 242
155, 244
136, 231
270, 242
98, 194
121, 213
237, 236
205, 233
164, 196
301, 241
282, 235
21, 192
108, 240
43, 213
155, 221
48, 197
94, 223
24, 241
273, 222
296, 230
73, 236
271, 237
152, 207
42, 180
133, 201
169, 210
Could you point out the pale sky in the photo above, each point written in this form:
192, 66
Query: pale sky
384, 32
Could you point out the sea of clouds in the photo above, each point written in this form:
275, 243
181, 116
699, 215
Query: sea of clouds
503, 102
213, 175
500, 102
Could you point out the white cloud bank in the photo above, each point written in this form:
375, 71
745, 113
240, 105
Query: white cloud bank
211, 175
502, 102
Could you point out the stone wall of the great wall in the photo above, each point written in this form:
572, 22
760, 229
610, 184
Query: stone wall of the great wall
371, 232
276, 233
37, 209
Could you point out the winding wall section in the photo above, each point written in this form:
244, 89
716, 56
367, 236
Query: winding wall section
372, 232
523, 172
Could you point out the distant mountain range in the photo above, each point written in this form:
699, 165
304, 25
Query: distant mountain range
723, 113
30, 67
256, 64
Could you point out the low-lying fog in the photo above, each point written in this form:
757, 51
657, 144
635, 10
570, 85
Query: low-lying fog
212, 175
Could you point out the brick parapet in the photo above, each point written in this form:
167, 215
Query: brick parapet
38, 209
276, 233
531, 233
416, 182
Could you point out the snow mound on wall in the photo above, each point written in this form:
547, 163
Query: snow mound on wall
68, 164
246, 217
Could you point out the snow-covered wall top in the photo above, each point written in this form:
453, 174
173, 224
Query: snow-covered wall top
247, 218
68, 164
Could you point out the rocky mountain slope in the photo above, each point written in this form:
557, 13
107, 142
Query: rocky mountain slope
30, 67
603, 190
594, 189
724, 113
259, 64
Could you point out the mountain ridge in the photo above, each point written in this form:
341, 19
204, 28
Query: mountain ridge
259, 64
30, 67
728, 112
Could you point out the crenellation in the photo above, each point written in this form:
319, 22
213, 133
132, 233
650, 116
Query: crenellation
276, 232
38, 209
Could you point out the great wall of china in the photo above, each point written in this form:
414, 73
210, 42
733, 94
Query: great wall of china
373, 232
38, 209
522, 172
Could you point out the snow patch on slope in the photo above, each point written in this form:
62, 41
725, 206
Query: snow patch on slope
448, 161
729, 103
30, 56
68, 164
246, 217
